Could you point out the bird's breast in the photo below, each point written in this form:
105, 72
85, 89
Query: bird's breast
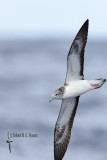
76, 88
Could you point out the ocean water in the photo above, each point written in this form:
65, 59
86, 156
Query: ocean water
30, 70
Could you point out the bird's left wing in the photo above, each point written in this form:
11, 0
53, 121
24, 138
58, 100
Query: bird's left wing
63, 126
75, 58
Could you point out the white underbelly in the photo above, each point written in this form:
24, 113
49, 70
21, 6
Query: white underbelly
76, 88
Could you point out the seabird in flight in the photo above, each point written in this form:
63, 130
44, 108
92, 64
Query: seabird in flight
69, 93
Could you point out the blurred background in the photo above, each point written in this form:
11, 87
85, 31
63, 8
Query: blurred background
35, 37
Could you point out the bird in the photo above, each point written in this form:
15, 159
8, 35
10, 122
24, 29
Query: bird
9, 142
75, 85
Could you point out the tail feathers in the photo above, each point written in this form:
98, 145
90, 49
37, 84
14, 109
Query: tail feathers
97, 83
102, 80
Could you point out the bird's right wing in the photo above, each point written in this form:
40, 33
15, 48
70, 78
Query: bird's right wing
63, 126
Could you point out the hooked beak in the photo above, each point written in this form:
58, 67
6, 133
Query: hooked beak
52, 99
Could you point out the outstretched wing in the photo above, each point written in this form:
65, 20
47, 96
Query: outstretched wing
75, 58
63, 126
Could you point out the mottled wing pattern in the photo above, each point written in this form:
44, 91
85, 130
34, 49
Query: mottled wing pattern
63, 126
75, 58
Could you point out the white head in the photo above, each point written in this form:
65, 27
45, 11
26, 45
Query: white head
58, 94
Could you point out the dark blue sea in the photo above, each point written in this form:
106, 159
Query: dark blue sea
30, 70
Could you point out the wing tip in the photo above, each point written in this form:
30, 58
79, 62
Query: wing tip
86, 24
87, 21
84, 28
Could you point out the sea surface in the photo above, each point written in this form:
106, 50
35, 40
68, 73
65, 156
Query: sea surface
30, 70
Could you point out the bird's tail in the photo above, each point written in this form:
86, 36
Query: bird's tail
97, 83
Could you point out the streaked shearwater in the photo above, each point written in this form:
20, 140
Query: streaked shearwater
74, 86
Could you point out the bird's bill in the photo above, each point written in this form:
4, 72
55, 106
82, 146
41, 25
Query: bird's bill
52, 99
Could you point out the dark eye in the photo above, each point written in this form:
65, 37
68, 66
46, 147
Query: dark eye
56, 94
